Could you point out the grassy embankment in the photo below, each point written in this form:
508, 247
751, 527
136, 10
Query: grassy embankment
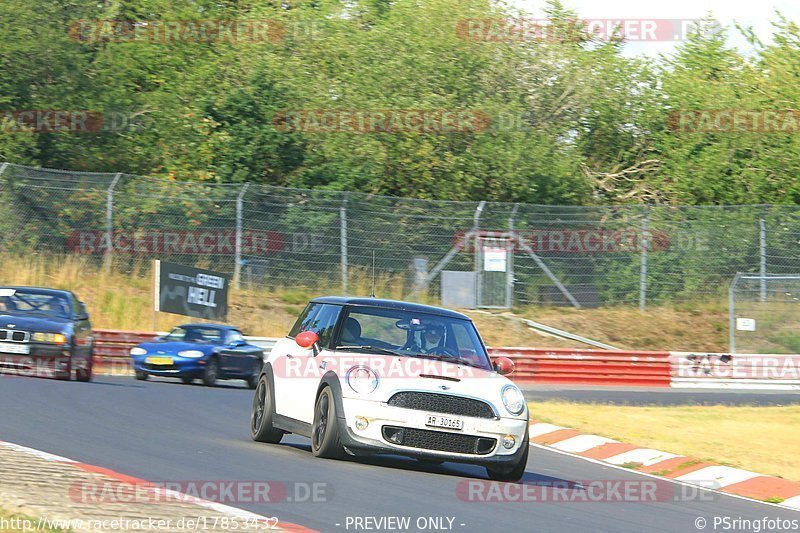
124, 301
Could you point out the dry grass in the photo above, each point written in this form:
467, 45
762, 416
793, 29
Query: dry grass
124, 301
754, 438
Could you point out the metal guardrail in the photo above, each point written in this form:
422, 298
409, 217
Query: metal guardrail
634, 368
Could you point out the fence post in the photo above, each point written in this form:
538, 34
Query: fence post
763, 253
643, 274
343, 242
3, 168
110, 220
732, 314
476, 224
237, 253
510, 266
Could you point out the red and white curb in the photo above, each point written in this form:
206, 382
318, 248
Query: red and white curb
234, 512
668, 465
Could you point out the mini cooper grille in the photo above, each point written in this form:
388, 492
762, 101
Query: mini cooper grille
439, 441
442, 403
12, 335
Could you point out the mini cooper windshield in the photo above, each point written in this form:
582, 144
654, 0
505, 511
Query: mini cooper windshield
412, 334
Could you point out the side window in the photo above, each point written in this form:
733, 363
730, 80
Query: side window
234, 336
324, 323
305, 319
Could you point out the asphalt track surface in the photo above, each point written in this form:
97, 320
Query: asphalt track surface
166, 431
658, 395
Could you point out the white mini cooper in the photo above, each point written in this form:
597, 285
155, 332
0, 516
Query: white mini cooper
365, 376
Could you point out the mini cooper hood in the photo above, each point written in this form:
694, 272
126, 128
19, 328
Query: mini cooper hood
421, 372
35, 323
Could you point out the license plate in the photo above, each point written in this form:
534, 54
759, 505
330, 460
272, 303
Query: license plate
7, 347
158, 360
444, 422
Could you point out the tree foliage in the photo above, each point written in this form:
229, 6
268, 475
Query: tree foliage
569, 121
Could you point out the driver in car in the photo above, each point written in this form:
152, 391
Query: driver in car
434, 335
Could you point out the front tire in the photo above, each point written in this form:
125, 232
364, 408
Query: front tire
187, 380
141, 375
262, 415
513, 473
211, 372
85, 374
65, 375
252, 379
325, 441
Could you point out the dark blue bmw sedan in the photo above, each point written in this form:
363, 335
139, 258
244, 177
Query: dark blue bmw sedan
199, 351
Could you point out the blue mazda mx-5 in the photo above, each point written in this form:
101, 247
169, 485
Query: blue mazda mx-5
206, 351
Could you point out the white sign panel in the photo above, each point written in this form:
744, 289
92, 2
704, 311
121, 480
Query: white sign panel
745, 324
494, 259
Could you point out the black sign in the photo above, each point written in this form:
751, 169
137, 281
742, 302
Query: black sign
191, 291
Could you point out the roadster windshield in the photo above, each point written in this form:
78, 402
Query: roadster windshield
412, 334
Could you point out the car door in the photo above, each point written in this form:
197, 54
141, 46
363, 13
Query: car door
296, 370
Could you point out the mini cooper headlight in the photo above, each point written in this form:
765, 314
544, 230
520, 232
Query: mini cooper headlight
362, 379
56, 338
191, 353
138, 351
513, 399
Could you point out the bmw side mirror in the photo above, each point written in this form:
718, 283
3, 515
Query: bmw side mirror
238, 343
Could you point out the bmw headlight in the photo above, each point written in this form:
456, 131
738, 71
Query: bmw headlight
55, 338
513, 399
138, 351
362, 379
191, 353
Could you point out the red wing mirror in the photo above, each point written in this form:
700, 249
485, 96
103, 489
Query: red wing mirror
307, 339
503, 365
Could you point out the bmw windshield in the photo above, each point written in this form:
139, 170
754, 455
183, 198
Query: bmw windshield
33, 303
412, 334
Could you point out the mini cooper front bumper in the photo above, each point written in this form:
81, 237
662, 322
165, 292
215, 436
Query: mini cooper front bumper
372, 427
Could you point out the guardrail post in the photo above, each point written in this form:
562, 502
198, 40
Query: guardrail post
110, 220
763, 256
343, 242
237, 267
643, 273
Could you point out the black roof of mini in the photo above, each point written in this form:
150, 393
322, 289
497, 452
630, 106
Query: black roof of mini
389, 304
209, 326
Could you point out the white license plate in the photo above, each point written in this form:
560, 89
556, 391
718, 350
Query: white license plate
444, 422
7, 347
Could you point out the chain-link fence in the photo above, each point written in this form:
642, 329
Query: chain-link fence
514, 254
765, 314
